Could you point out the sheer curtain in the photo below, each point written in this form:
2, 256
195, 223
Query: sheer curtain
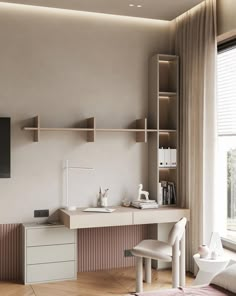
195, 43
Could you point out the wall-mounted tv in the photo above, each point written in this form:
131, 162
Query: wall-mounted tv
5, 147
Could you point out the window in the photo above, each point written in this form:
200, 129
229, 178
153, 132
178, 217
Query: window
226, 128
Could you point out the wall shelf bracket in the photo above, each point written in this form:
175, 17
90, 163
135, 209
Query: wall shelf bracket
91, 135
141, 137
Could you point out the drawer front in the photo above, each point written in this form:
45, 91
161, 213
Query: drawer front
47, 254
100, 220
49, 236
50, 272
159, 216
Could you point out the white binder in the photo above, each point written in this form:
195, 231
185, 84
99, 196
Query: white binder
173, 161
167, 157
161, 157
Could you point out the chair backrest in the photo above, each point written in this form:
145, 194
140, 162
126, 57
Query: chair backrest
177, 231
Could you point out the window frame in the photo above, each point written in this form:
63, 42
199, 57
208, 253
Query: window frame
225, 46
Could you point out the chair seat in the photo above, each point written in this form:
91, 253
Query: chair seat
153, 249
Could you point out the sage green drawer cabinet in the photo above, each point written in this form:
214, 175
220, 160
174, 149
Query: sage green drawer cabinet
49, 252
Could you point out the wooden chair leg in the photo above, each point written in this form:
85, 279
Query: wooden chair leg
175, 264
182, 261
139, 274
148, 270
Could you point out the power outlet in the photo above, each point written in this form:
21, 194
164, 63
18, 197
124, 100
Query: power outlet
41, 213
127, 253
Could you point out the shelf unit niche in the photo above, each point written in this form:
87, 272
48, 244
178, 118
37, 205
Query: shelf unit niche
141, 129
163, 113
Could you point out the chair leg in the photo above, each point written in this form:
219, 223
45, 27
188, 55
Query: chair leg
182, 261
148, 270
139, 274
175, 264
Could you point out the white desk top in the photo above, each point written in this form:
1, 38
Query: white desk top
121, 216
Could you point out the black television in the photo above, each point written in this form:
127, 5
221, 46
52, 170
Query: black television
5, 147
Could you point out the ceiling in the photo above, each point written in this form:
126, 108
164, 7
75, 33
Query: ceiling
152, 9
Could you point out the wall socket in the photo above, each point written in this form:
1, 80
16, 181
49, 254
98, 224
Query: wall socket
127, 253
41, 213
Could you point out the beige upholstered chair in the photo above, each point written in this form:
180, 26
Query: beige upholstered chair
173, 250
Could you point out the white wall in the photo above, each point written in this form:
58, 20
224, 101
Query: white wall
226, 20
67, 66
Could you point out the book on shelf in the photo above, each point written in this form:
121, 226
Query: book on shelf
168, 193
144, 204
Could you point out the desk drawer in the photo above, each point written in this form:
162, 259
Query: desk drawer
100, 220
48, 254
50, 272
162, 215
49, 236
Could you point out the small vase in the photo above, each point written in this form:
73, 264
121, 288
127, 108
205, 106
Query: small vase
203, 251
104, 202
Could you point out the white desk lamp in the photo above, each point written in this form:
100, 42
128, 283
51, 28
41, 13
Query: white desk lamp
67, 168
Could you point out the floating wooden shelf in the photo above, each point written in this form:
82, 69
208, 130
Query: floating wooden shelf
163, 94
91, 129
168, 168
91, 135
164, 58
37, 134
166, 131
142, 124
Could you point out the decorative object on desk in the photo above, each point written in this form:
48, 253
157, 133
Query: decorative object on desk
99, 200
102, 198
144, 204
215, 244
168, 193
126, 203
67, 169
203, 251
142, 192
99, 210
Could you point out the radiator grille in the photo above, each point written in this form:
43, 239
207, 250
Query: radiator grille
10, 252
103, 248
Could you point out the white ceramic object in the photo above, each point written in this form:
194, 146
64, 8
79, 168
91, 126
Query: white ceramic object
208, 268
104, 202
141, 192
203, 251
213, 255
126, 203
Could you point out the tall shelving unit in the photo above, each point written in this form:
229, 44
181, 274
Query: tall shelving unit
163, 114
168, 114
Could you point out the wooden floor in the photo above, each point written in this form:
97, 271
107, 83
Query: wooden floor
117, 282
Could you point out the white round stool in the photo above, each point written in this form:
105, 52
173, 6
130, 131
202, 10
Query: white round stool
208, 268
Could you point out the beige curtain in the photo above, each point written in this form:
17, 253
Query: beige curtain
195, 43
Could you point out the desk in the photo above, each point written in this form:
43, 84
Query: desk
93, 225
121, 216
